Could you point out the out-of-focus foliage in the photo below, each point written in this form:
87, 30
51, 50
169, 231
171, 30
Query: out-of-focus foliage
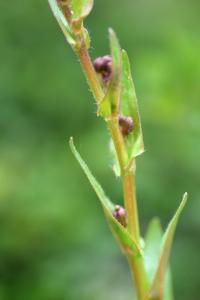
54, 243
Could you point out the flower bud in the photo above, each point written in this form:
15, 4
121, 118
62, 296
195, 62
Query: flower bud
103, 66
126, 125
120, 215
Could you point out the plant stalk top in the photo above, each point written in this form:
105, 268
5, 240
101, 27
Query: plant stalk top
110, 80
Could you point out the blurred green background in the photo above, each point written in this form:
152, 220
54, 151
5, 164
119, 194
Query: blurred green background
54, 241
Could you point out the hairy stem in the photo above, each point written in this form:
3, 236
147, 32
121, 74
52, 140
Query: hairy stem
90, 73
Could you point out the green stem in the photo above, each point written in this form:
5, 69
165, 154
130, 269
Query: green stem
90, 73
128, 178
136, 263
113, 126
131, 204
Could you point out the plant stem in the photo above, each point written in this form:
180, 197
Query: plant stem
131, 203
128, 178
90, 73
113, 126
136, 264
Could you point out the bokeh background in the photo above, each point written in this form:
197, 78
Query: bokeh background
54, 241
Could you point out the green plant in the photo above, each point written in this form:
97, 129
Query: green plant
110, 81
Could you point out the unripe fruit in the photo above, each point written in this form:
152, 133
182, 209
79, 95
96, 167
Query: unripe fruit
126, 125
103, 66
120, 215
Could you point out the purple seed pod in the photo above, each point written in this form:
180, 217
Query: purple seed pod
126, 125
103, 66
120, 215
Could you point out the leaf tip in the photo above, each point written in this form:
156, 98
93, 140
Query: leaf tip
112, 36
124, 53
71, 143
111, 31
71, 140
184, 200
185, 195
156, 221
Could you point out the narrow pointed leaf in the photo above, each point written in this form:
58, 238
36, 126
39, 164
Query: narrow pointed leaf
62, 21
125, 240
81, 9
96, 186
152, 250
111, 101
156, 290
116, 56
129, 107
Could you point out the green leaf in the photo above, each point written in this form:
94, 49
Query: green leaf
62, 21
129, 107
116, 57
156, 290
81, 9
126, 242
111, 101
152, 249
